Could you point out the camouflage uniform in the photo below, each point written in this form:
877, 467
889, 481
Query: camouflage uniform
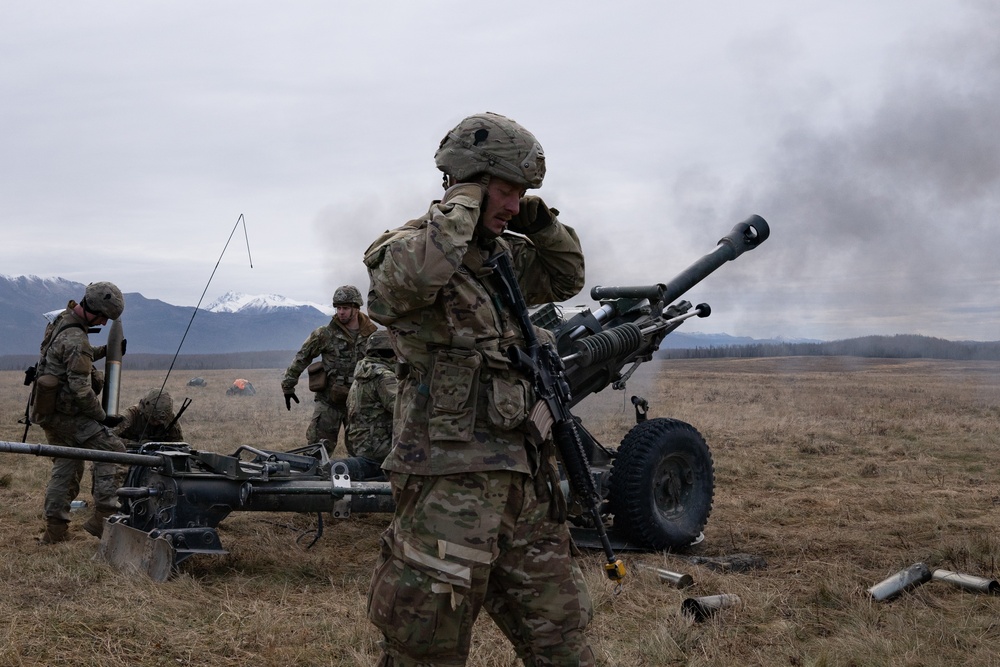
76, 422
147, 421
339, 349
475, 495
370, 403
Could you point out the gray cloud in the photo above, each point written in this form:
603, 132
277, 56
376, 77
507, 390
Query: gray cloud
138, 133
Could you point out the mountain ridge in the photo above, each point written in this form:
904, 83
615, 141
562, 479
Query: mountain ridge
153, 326
235, 322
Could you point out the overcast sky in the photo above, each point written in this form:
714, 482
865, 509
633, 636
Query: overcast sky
866, 133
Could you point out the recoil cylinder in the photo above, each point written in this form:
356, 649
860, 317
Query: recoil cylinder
608, 344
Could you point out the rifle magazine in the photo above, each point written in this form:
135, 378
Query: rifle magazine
540, 422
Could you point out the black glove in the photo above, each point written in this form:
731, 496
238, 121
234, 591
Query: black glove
289, 397
124, 341
112, 420
534, 216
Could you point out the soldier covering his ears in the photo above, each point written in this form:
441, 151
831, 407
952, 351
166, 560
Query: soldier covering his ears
479, 513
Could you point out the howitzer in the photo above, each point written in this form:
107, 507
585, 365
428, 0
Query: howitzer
657, 487
174, 496
654, 491
632, 321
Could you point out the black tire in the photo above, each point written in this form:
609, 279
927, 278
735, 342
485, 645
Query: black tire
662, 485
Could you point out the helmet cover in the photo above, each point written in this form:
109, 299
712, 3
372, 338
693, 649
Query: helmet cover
157, 406
347, 295
105, 299
493, 144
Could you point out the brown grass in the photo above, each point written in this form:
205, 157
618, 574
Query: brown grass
838, 472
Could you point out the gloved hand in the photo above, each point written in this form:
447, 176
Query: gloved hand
112, 420
289, 397
474, 190
534, 216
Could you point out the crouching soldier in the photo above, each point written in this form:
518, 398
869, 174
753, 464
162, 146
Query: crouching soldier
66, 406
370, 403
152, 419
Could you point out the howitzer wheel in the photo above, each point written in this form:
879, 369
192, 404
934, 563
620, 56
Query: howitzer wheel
662, 484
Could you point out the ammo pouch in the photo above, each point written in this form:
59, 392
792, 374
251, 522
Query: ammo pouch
453, 382
507, 393
338, 393
317, 376
46, 390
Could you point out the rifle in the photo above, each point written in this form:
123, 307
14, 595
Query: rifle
29, 380
543, 366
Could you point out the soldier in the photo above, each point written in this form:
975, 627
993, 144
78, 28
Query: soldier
479, 519
151, 420
66, 406
370, 401
339, 344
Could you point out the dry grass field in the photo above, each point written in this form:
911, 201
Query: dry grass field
836, 471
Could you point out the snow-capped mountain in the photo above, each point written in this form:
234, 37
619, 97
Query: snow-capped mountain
237, 302
249, 323
234, 322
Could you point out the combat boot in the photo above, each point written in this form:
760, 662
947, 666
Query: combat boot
56, 530
95, 524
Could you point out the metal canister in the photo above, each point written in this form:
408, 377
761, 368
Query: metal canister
969, 582
703, 607
904, 580
675, 579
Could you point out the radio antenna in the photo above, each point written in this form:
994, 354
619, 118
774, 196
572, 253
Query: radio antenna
239, 220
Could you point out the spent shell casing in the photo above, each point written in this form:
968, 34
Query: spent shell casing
969, 582
703, 607
905, 579
675, 579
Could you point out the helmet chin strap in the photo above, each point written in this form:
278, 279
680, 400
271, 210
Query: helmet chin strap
86, 316
87, 312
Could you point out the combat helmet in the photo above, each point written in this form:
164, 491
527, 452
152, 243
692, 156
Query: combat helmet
157, 406
494, 144
378, 345
104, 299
347, 295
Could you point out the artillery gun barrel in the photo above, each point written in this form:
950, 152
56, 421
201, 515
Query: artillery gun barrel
311, 488
58, 452
746, 235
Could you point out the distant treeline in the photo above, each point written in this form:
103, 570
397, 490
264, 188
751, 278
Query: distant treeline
900, 346
185, 362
